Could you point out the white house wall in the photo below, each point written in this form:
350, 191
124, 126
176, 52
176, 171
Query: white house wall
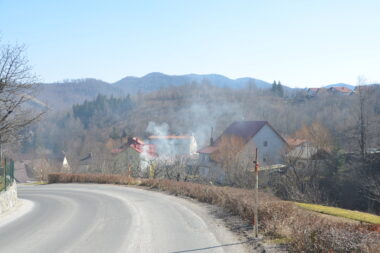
272, 153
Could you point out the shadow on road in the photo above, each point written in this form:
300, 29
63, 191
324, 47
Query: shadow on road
211, 247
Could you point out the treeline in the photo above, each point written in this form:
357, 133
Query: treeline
102, 110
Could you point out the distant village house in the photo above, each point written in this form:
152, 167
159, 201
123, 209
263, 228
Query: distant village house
245, 136
133, 155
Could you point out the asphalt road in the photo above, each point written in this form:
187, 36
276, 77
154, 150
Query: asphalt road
107, 218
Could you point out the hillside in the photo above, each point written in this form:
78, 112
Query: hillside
62, 95
67, 93
155, 81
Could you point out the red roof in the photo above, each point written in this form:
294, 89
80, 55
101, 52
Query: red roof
138, 145
341, 89
148, 148
244, 129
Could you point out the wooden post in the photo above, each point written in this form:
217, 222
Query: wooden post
256, 218
5, 174
129, 171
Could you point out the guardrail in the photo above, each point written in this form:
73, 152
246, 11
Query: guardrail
7, 169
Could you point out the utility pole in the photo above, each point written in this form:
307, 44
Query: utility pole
256, 213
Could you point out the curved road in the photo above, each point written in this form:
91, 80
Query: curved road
107, 218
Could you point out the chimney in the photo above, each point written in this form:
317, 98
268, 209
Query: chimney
211, 139
130, 140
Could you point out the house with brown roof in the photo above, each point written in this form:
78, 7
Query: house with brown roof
244, 136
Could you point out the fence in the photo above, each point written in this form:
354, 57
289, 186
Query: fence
6, 173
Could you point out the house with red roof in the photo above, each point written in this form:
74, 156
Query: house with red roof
340, 90
335, 90
134, 154
138, 146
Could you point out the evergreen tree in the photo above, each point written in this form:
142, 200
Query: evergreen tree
280, 90
274, 87
102, 111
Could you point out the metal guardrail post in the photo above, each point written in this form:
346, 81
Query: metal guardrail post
3, 174
12, 167
7, 172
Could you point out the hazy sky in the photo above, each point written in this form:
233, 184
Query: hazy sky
299, 42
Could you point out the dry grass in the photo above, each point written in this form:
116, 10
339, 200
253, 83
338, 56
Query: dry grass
353, 215
307, 231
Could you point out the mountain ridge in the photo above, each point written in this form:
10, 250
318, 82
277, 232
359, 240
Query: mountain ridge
157, 80
64, 94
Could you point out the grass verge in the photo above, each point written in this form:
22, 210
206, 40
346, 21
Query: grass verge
353, 215
36, 183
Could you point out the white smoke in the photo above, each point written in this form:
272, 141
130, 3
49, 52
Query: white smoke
165, 147
200, 118
145, 159
156, 129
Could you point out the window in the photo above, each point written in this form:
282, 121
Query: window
265, 144
204, 158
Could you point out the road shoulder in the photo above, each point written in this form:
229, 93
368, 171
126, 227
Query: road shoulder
22, 207
217, 217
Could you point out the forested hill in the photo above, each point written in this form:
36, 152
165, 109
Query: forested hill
64, 94
155, 81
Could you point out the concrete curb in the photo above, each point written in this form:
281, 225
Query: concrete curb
8, 198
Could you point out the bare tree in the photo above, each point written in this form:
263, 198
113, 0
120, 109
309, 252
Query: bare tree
17, 82
362, 116
235, 158
371, 185
307, 171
